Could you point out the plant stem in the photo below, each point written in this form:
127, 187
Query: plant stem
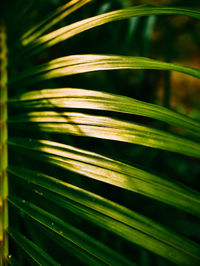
3, 149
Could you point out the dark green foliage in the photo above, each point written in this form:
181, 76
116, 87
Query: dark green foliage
99, 172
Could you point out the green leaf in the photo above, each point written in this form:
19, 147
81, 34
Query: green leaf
77, 64
176, 254
59, 14
114, 218
35, 252
36, 113
113, 172
108, 128
67, 32
67, 231
77, 252
95, 100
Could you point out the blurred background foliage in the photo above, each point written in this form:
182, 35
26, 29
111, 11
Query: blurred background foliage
167, 38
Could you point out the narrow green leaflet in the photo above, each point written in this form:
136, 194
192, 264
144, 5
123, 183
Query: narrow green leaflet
67, 231
136, 237
77, 64
59, 14
107, 128
50, 113
95, 100
35, 252
113, 217
86, 24
77, 252
113, 172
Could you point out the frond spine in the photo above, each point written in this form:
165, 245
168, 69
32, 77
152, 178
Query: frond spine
3, 148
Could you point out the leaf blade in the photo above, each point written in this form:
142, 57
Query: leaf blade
102, 127
114, 218
81, 26
35, 252
113, 172
78, 64
59, 14
95, 100
67, 231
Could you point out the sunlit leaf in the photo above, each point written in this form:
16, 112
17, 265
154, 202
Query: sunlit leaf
95, 100
77, 64
57, 114
108, 128
83, 25
112, 172
59, 14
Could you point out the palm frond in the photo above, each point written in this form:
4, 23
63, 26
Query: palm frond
83, 25
35, 252
110, 171
76, 64
59, 14
96, 100
67, 231
78, 195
